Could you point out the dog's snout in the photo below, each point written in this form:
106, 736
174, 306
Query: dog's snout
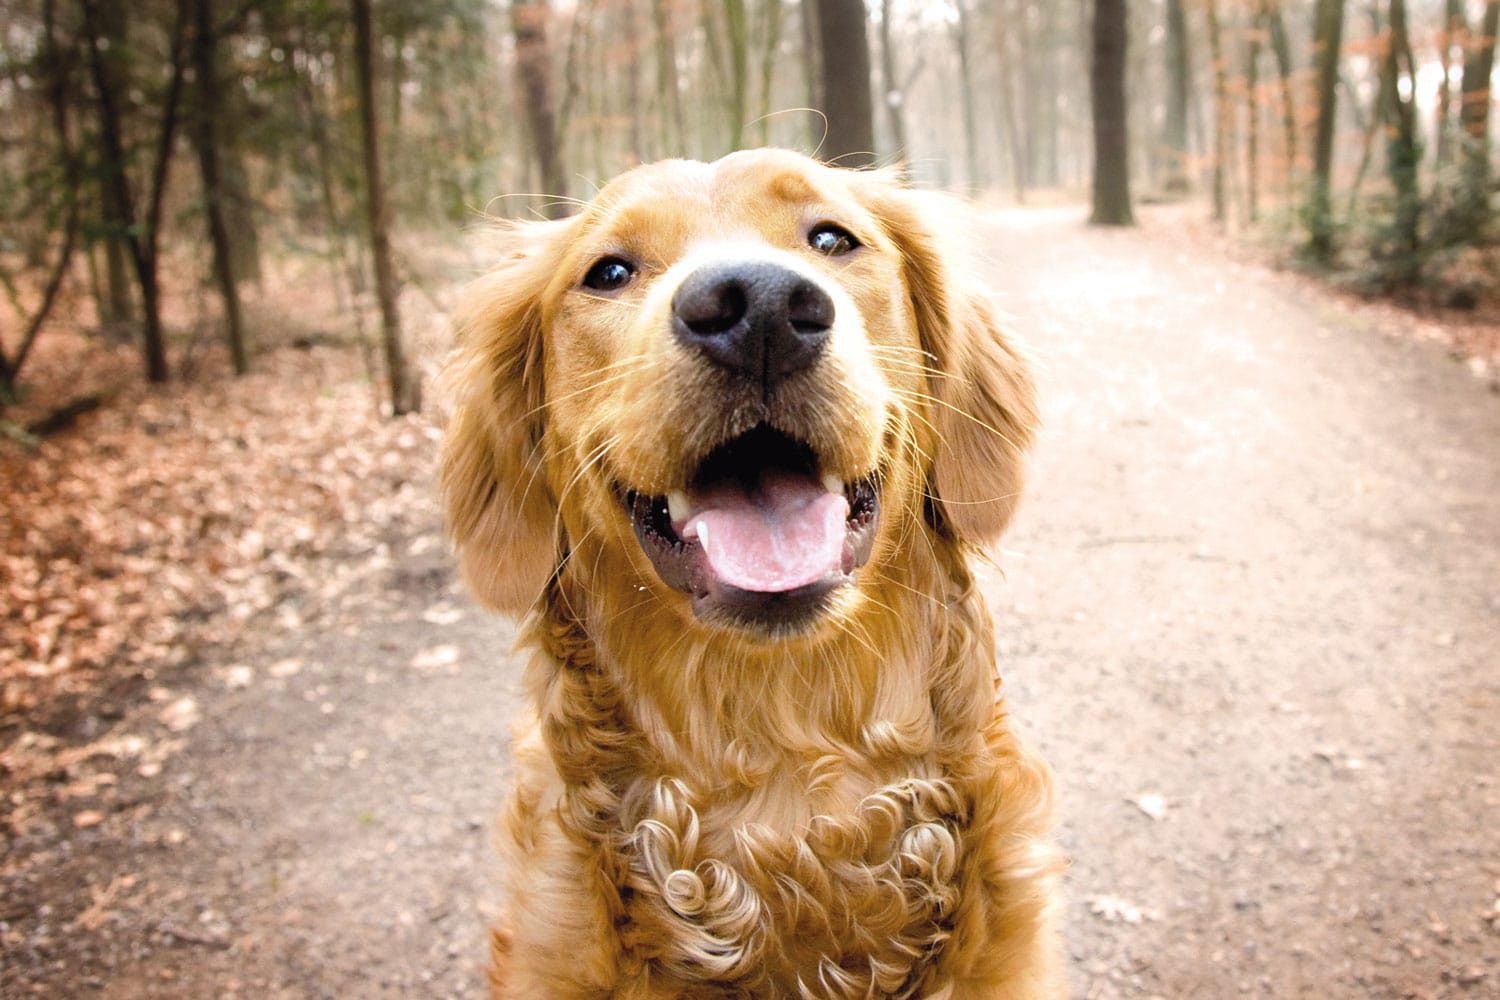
756, 319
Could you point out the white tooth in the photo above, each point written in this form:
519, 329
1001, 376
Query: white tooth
678, 506
832, 484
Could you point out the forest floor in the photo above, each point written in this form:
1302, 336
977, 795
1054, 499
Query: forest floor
1250, 613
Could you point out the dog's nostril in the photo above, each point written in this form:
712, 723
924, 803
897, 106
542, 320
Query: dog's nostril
809, 309
713, 310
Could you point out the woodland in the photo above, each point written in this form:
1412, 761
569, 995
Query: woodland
231, 233
213, 208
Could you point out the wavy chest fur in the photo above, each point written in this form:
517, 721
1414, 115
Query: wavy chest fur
838, 878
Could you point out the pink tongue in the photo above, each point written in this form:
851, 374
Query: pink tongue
787, 534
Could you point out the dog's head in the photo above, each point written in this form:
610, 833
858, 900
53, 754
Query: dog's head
746, 388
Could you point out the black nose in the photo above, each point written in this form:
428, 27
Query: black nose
756, 319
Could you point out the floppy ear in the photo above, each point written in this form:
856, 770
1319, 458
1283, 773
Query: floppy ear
501, 514
985, 410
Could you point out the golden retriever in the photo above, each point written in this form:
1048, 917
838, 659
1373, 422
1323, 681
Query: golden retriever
729, 436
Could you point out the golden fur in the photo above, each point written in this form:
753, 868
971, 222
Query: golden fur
701, 812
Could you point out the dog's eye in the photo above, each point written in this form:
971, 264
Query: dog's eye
835, 241
608, 274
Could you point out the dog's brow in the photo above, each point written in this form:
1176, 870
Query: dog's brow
793, 187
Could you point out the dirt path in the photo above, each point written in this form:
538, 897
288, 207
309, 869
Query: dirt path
1251, 613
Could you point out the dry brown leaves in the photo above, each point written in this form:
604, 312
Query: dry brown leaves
176, 517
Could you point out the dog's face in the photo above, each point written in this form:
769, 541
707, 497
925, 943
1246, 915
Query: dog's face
747, 387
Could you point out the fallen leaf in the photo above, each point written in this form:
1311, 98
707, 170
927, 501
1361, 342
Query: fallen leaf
238, 677
181, 715
285, 668
442, 614
87, 818
1153, 805
438, 656
1113, 909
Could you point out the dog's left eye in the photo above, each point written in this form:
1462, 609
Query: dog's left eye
835, 241
609, 274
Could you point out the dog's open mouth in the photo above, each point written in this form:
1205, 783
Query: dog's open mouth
760, 535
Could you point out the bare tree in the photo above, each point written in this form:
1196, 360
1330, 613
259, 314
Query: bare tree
812, 73
1275, 24
845, 62
1254, 42
56, 69
668, 82
1328, 37
1223, 113
143, 233
1010, 117
966, 92
1471, 213
892, 96
1452, 33
206, 112
406, 390
534, 70
1403, 152
1111, 142
106, 28
737, 99
775, 16
1178, 82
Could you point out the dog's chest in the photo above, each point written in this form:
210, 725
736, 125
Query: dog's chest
853, 902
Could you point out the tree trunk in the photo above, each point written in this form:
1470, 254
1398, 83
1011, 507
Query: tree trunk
737, 98
845, 61
1328, 37
966, 89
142, 235
891, 97
1366, 125
1253, 45
1111, 142
812, 74
1024, 58
347, 265
1453, 31
775, 16
631, 36
117, 310
406, 390
534, 68
668, 83
1282, 49
1178, 82
1473, 206
1010, 115
239, 208
1051, 83
56, 65
205, 135
1403, 154
1223, 112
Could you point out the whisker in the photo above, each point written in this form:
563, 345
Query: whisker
914, 396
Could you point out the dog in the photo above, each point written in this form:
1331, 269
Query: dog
728, 438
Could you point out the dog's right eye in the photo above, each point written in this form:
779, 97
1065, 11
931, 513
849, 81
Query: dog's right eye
609, 274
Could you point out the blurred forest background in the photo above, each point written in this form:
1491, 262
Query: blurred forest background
193, 190
166, 155
231, 232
